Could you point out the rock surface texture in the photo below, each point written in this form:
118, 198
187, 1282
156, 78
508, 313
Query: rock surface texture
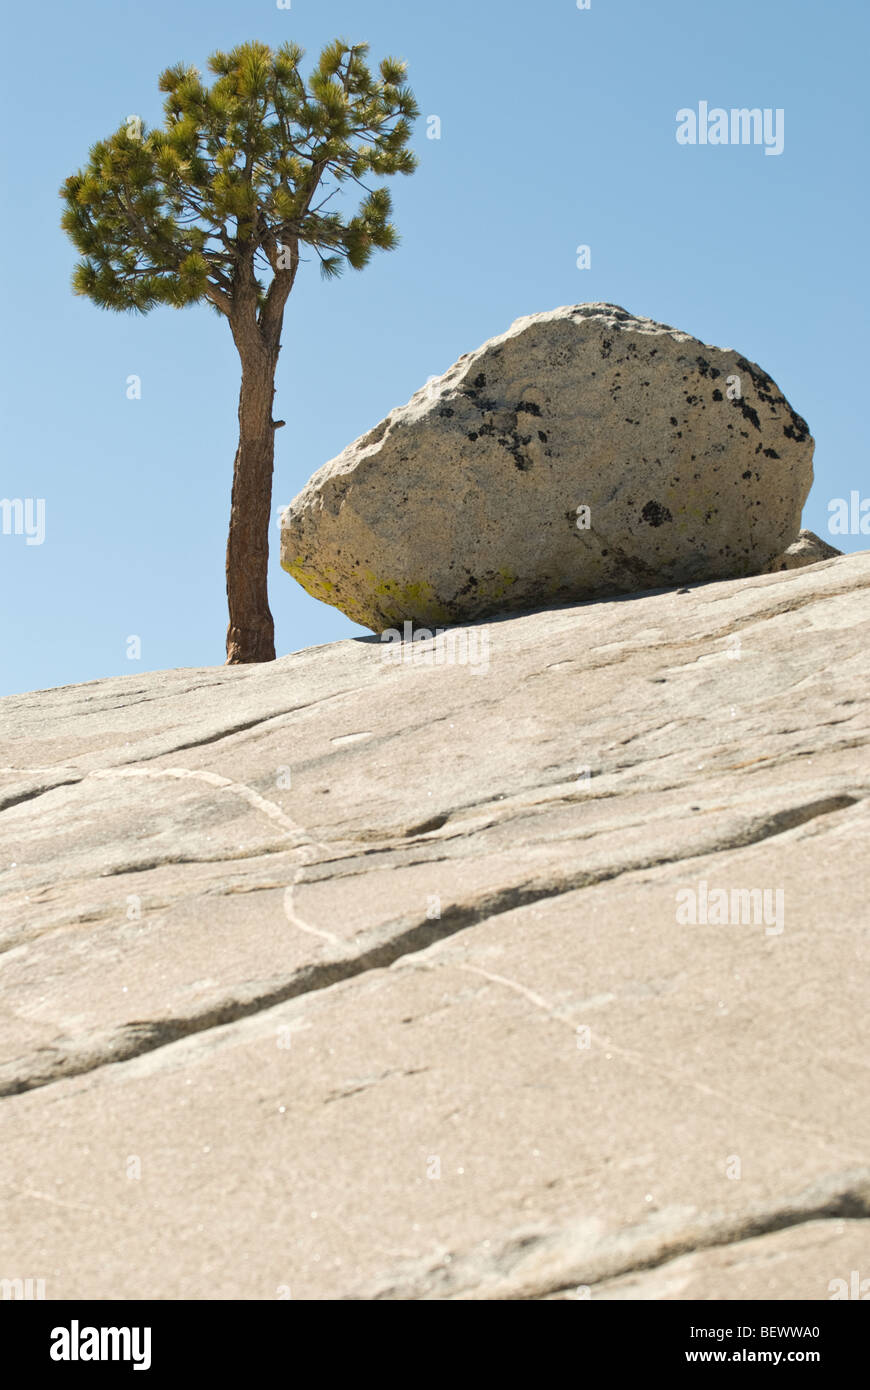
808, 549
469, 500
366, 978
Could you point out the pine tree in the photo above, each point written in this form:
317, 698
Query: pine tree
217, 206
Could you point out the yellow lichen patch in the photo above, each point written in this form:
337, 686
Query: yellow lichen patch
313, 584
416, 601
495, 586
324, 590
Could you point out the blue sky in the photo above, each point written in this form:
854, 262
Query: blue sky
558, 129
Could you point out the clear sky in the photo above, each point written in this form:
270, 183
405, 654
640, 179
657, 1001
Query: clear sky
558, 128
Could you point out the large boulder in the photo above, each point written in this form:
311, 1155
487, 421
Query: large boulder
584, 453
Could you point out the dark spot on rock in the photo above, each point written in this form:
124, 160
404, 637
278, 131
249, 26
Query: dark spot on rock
471, 436
717, 395
514, 445
799, 430
606, 347
747, 474
542, 436
762, 383
528, 407
674, 420
655, 514
479, 382
748, 413
771, 454
445, 410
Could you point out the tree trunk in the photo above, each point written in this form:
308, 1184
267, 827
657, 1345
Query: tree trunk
251, 631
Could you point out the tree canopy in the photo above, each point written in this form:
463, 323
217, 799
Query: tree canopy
240, 175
